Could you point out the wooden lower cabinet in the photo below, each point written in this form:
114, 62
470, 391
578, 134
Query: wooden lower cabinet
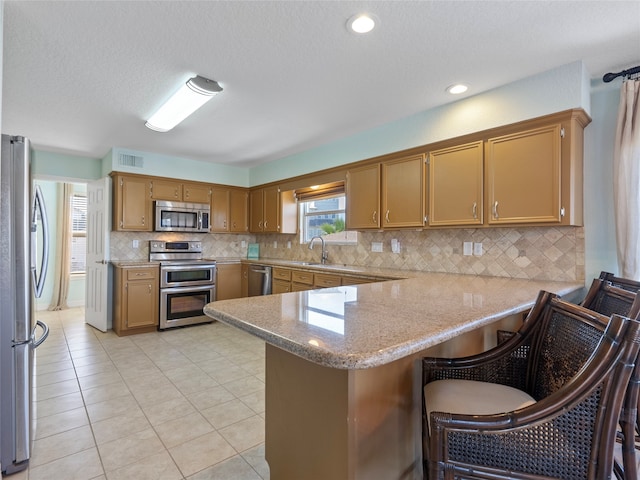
228, 281
136, 296
324, 280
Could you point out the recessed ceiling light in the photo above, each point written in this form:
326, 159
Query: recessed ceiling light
457, 89
362, 23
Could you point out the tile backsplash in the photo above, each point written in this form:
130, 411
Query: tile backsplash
540, 253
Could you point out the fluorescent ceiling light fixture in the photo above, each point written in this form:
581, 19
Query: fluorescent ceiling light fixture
457, 89
190, 97
362, 23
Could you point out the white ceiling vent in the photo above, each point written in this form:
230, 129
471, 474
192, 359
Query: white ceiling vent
135, 161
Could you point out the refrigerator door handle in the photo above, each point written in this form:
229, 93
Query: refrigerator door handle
39, 207
43, 337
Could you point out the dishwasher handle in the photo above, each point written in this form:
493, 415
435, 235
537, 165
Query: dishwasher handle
259, 280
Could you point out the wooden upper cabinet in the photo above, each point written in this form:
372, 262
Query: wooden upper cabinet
220, 210
196, 192
272, 211
403, 192
455, 185
165, 189
229, 210
363, 197
271, 206
523, 175
238, 210
132, 204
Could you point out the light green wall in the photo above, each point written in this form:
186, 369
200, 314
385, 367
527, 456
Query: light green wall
175, 167
66, 167
600, 237
550, 92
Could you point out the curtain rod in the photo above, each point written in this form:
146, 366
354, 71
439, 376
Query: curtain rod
610, 76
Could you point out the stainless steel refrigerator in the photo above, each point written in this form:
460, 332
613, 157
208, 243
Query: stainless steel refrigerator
24, 251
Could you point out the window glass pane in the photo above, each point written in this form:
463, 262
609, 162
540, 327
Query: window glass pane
325, 217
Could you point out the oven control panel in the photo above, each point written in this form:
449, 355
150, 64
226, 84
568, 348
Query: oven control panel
159, 246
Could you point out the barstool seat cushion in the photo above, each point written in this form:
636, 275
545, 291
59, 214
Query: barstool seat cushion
471, 397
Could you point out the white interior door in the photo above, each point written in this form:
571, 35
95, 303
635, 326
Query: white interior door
98, 285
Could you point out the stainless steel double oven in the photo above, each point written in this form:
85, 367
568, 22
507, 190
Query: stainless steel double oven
187, 282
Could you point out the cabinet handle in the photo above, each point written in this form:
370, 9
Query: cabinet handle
234, 224
149, 288
260, 224
138, 274
386, 217
495, 210
143, 220
187, 194
265, 224
175, 194
475, 210
373, 218
224, 224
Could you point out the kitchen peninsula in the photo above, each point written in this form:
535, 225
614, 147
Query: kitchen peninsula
342, 383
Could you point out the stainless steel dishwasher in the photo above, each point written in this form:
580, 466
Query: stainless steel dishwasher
259, 280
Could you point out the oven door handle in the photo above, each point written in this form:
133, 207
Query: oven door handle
202, 288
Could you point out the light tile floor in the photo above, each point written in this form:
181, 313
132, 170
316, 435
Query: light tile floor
186, 403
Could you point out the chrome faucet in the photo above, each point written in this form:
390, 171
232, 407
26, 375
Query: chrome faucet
324, 251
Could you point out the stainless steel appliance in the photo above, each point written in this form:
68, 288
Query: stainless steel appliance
23, 243
259, 280
181, 217
187, 282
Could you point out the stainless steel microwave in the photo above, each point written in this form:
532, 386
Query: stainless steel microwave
181, 217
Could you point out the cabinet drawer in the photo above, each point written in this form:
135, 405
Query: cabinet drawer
300, 287
302, 277
141, 273
282, 274
324, 280
356, 280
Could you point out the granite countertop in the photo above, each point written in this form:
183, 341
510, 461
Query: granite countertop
363, 326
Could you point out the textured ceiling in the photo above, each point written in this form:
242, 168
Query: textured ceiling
81, 77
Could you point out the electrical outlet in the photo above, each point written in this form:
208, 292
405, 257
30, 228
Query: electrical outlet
477, 249
289, 244
395, 245
376, 247
243, 244
467, 248
275, 244
136, 244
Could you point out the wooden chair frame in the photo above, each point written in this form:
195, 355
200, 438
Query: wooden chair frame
576, 412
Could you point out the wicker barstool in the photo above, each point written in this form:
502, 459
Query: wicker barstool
565, 374
608, 295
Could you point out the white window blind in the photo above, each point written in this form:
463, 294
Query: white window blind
78, 233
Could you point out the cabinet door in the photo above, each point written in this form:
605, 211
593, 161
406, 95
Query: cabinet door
228, 281
220, 210
363, 197
244, 280
166, 190
196, 193
281, 286
455, 185
403, 192
523, 176
239, 211
133, 205
271, 197
256, 211
141, 303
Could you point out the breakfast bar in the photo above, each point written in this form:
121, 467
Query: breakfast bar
342, 379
